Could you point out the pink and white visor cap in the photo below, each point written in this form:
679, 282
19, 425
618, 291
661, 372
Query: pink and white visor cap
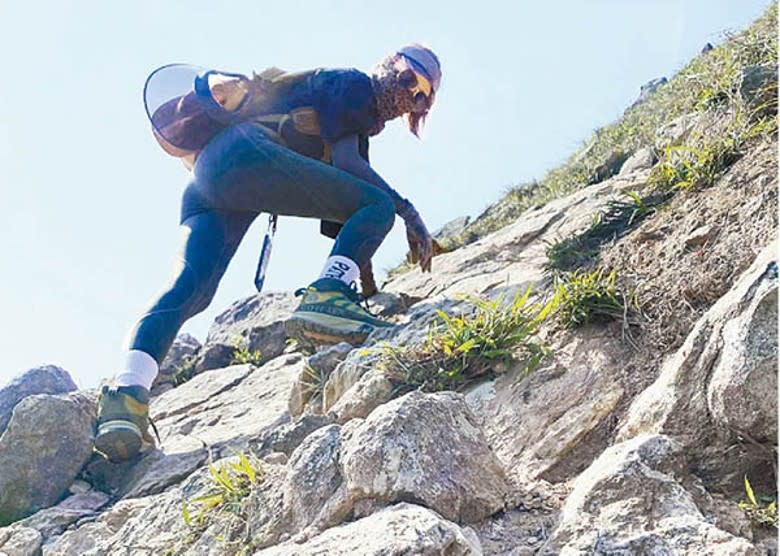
424, 61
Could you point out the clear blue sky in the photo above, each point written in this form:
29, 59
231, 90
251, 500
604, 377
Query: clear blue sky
90, 224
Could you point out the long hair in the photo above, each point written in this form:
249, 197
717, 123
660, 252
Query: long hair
415, 121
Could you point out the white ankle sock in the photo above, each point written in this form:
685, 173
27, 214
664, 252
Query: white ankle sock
341, 268
140, 370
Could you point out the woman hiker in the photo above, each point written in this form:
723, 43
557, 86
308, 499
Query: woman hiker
303, 152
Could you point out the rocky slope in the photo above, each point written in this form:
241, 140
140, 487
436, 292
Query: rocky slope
630, 437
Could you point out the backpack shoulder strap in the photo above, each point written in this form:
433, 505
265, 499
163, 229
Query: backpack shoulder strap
268, 86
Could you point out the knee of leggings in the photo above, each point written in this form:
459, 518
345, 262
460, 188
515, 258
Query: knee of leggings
201, 303
188, 294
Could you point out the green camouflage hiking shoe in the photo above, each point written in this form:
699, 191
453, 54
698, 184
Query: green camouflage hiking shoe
330, 313
123, 422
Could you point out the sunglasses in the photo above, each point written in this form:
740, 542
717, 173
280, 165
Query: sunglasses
421, 86
417, 83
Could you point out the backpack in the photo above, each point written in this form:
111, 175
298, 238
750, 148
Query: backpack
188, 106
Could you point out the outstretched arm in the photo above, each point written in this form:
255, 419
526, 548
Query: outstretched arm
346, 157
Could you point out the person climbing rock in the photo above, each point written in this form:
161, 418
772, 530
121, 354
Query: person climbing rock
290, 144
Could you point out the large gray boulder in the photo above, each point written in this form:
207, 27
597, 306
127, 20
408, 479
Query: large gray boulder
721, 385
630, 501
47, 442
400, 529
741, 395
225, 408
51, 522
420, 447
151, 525
314, 478
20, 541
154, 524
552, 423
47, 379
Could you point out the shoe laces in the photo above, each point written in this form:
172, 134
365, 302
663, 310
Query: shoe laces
355, 295
352, 293
360, 299
156, 432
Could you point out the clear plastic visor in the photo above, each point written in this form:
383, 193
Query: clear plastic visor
186, 103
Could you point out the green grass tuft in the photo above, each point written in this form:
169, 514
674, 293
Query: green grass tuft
314, 381
242, 355
589, 297
232, 483
460, 348
763, 512
185, 370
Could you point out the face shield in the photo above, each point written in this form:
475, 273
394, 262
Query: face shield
187, 105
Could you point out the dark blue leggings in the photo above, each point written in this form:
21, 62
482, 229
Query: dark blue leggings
240, 174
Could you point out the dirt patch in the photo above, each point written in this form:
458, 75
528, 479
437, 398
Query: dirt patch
687, 255
527, 523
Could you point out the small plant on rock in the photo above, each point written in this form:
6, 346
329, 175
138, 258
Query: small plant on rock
583, 297
232, 482
460, 348
242, 355
221, 513
185, 370
764, 513
696, 164
314, 381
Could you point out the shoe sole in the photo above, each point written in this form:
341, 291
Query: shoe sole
328, 329
118, 440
